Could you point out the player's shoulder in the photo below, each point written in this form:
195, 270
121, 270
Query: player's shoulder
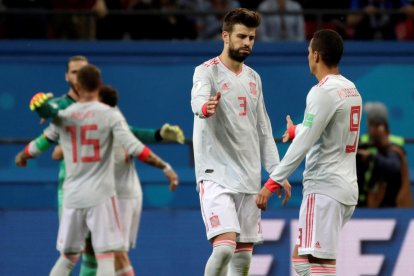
209, 64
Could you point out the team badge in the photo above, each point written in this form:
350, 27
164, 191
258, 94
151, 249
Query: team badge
253, 90
214, 220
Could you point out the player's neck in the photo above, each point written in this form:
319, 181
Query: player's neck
232, 64
88, 97
73, 94
324, 71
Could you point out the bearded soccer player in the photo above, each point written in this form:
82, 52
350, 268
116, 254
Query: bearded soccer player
232, 139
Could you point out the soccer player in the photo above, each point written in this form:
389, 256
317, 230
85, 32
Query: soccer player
328, 136
48, 107
128, 191
86, 131
232, 139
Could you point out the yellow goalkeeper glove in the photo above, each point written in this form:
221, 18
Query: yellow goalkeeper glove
172, 133
39, 99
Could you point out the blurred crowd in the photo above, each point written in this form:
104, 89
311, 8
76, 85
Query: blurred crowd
283, 20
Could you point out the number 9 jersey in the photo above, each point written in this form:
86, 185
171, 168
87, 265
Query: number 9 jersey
328, 136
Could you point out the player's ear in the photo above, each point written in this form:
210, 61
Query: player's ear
316, 56
225, 36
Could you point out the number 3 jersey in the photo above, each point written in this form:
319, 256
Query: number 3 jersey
231, 145
328, 136
86, 131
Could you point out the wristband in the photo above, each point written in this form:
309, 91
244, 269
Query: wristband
204, 110
292, 131
272, 185
27, 151
167, 168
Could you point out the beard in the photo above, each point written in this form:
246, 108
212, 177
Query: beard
237, 55
73, 86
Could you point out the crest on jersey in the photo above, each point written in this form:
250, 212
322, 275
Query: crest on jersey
214, 220
317, 245
253, 90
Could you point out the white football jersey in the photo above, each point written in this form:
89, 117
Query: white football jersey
231, 145
328, 136
126, 177
86, 131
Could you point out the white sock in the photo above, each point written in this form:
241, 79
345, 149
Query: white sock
62, 267
301, 266
240, 262
217, 264
106, 264
323, 269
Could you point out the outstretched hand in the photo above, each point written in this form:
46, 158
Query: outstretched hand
286, 137
212, 103
172, 133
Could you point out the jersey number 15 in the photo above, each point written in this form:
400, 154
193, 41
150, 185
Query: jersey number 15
84, 142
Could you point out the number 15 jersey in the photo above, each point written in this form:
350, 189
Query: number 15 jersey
328, 136
86, 131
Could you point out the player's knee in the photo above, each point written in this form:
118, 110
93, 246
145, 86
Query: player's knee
223, 252
301, 266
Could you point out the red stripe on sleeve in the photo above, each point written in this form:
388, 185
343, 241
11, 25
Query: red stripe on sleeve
292, 131
145, 153
272, 185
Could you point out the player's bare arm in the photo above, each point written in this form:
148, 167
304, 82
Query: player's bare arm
268, 190
169, 172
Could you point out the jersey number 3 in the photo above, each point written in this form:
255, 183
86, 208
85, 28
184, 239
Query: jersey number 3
355, 117
84, 142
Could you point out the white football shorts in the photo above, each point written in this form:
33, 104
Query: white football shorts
130, 210
321, 219
225, 211
101, 220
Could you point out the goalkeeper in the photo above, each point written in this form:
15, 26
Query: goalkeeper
47, 107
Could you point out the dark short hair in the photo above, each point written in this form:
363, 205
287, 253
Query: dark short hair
89, 77
75, 58
246, 17
108, 95
329, 45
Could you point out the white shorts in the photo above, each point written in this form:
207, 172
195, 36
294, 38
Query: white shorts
101, 220
321, 219
130, 210
227, 211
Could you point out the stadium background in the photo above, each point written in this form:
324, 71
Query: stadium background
154, 80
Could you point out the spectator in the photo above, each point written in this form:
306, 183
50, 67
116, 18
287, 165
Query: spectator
373, 23
77, 26
325, 20
27, 25
209, 27
382, 167
281, 26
